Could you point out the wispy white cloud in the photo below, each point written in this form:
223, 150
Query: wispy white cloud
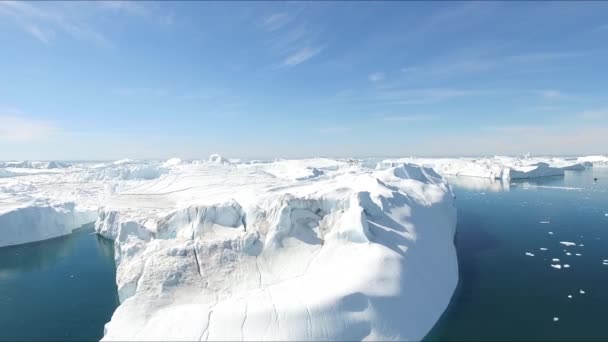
551, 94
537, 57
276, 21
335, 129
409, 69
302, 55
376, 77
593, 114
43, 20
140, 91
292, 38
422, 95
464, 65
47, 21
17, 128
128, 7
409, 118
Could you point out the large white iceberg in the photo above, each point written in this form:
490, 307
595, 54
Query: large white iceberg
593, 160
495, 168
292, 249
255, 252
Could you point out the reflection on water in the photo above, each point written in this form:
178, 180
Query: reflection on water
59, 289
505, 294
478, 184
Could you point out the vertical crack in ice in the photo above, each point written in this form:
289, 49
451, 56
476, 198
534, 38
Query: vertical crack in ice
243, 324
198, 266
205, 333
308, 322
257, 266
274, 309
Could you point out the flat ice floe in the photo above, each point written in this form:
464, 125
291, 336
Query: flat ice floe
318, 249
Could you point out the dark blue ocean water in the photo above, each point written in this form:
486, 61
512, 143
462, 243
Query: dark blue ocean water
503, 294
59, 289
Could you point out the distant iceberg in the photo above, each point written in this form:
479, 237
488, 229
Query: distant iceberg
495, 168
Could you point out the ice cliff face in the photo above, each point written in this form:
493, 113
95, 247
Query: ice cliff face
347, 256
40, 221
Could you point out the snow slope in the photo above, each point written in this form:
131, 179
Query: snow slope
495, 168
257, 252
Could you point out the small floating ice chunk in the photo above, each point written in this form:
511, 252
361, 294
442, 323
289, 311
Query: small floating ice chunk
543, 248
529, 254
578, 254
555, 319
545, 222
606, 214
570, 296
581, 245
566, 266
555, 260
550, 233
581, 291
558, 266
567, 243
568, 253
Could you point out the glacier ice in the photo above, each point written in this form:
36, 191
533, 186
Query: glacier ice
293, 249
258, 252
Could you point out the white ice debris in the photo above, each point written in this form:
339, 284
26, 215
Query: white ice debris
543, 248
567, 243
581, 291
555, 260
293, 250
545, 222
550, 233
570, 296
217, 159
555, 319
568, 253
566, 266
578, 254
529, 254
172, 162
556, 266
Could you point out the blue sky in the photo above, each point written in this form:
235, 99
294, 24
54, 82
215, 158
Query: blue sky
107, 80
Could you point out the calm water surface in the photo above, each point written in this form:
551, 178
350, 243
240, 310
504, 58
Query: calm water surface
59, 289
504, 294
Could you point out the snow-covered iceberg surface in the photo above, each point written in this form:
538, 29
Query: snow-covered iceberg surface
39, 203
40, 221
294, 250
495, 168
593, 160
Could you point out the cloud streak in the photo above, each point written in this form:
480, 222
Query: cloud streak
301, 55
